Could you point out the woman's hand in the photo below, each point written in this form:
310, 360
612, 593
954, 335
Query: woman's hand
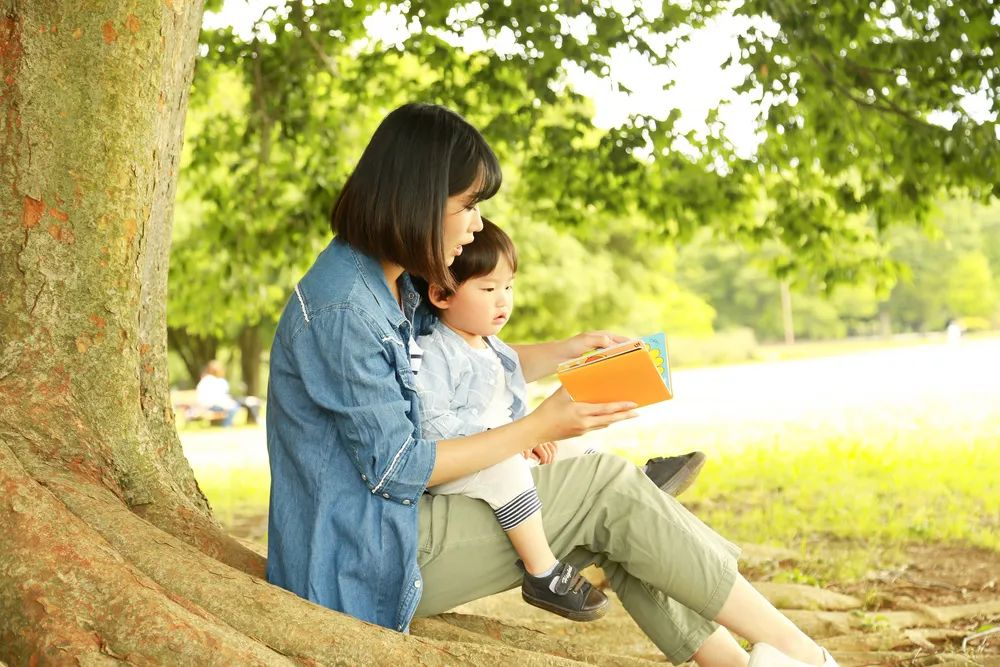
543, 453
589, 340
560, 417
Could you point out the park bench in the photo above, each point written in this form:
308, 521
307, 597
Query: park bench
186, 405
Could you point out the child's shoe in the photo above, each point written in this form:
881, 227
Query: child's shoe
566, 593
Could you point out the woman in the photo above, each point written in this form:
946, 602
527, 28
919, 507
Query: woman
350, 526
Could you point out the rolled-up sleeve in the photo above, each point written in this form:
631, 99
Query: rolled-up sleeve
348, 372
437, 384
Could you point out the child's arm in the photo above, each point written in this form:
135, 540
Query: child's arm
557, 418
540, 360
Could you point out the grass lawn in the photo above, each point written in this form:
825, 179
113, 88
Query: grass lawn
849, 493
847, 507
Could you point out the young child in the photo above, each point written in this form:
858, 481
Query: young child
470, 381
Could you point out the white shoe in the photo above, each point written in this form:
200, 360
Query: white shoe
765, 655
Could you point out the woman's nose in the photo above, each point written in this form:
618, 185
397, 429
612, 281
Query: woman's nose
477, 224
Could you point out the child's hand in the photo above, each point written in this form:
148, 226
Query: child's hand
560, 417
545, 452
589, 340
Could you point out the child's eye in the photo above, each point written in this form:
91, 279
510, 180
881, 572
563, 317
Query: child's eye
510, 288
487, 289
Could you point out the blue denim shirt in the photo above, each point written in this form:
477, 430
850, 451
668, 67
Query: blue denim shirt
456, 384
347, 461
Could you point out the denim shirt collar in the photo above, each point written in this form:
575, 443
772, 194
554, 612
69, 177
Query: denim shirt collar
373, 276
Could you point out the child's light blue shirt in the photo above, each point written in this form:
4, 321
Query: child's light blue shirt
456, 385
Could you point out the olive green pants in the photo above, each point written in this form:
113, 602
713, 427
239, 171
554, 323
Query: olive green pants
671, 572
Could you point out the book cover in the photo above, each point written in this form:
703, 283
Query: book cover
637, 370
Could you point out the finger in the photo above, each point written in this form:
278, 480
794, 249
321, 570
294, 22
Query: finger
594, 409
609, 337
603, 421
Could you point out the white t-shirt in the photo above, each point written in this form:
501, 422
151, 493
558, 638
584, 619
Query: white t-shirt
214, 392
498, 411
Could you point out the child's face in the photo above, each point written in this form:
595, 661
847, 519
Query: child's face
481, 306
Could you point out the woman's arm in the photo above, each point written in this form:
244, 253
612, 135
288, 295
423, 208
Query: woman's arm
540, 360
557, 418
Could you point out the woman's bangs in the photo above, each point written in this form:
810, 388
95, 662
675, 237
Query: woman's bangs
491, 176
474, 163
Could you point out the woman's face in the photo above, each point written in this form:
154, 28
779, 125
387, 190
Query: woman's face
461, 221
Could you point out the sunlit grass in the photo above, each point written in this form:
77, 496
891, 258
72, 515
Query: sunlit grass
235, 491
848, 503
846, 488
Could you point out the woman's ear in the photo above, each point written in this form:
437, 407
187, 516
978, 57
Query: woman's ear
438, 296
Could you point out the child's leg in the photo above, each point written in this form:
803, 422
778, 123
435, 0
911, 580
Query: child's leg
509, 488
532, 546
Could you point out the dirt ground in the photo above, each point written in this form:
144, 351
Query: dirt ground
915, 614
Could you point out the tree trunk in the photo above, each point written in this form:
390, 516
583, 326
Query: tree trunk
787, 321
194, 351
108, 549
250, 352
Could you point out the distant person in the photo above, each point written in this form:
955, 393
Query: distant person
470, 381
212, 393
954, 332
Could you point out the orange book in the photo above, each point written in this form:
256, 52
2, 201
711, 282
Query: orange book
637, 370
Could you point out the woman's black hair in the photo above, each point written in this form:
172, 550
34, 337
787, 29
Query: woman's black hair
392, 204
478, 258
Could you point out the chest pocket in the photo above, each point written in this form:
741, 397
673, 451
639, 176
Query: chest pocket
400, 355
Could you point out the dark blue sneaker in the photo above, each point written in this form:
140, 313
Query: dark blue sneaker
566, 593
674, 474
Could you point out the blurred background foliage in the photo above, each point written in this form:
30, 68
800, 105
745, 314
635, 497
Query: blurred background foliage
868, 208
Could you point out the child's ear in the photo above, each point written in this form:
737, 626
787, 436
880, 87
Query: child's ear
438, 297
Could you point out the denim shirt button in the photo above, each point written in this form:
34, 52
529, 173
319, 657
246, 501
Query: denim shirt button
406, 502
416, 584
385, 495
364, 477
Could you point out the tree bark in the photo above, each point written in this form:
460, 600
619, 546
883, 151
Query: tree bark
250, 353
108, 549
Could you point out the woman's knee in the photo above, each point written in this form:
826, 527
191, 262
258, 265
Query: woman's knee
615, 471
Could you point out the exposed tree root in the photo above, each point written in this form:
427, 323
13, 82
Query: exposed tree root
82, 577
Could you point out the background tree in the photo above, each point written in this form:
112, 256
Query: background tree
108, 550
866, 115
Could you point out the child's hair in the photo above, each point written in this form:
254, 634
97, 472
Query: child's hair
478, 258
392, 204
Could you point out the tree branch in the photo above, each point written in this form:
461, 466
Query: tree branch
888, 106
